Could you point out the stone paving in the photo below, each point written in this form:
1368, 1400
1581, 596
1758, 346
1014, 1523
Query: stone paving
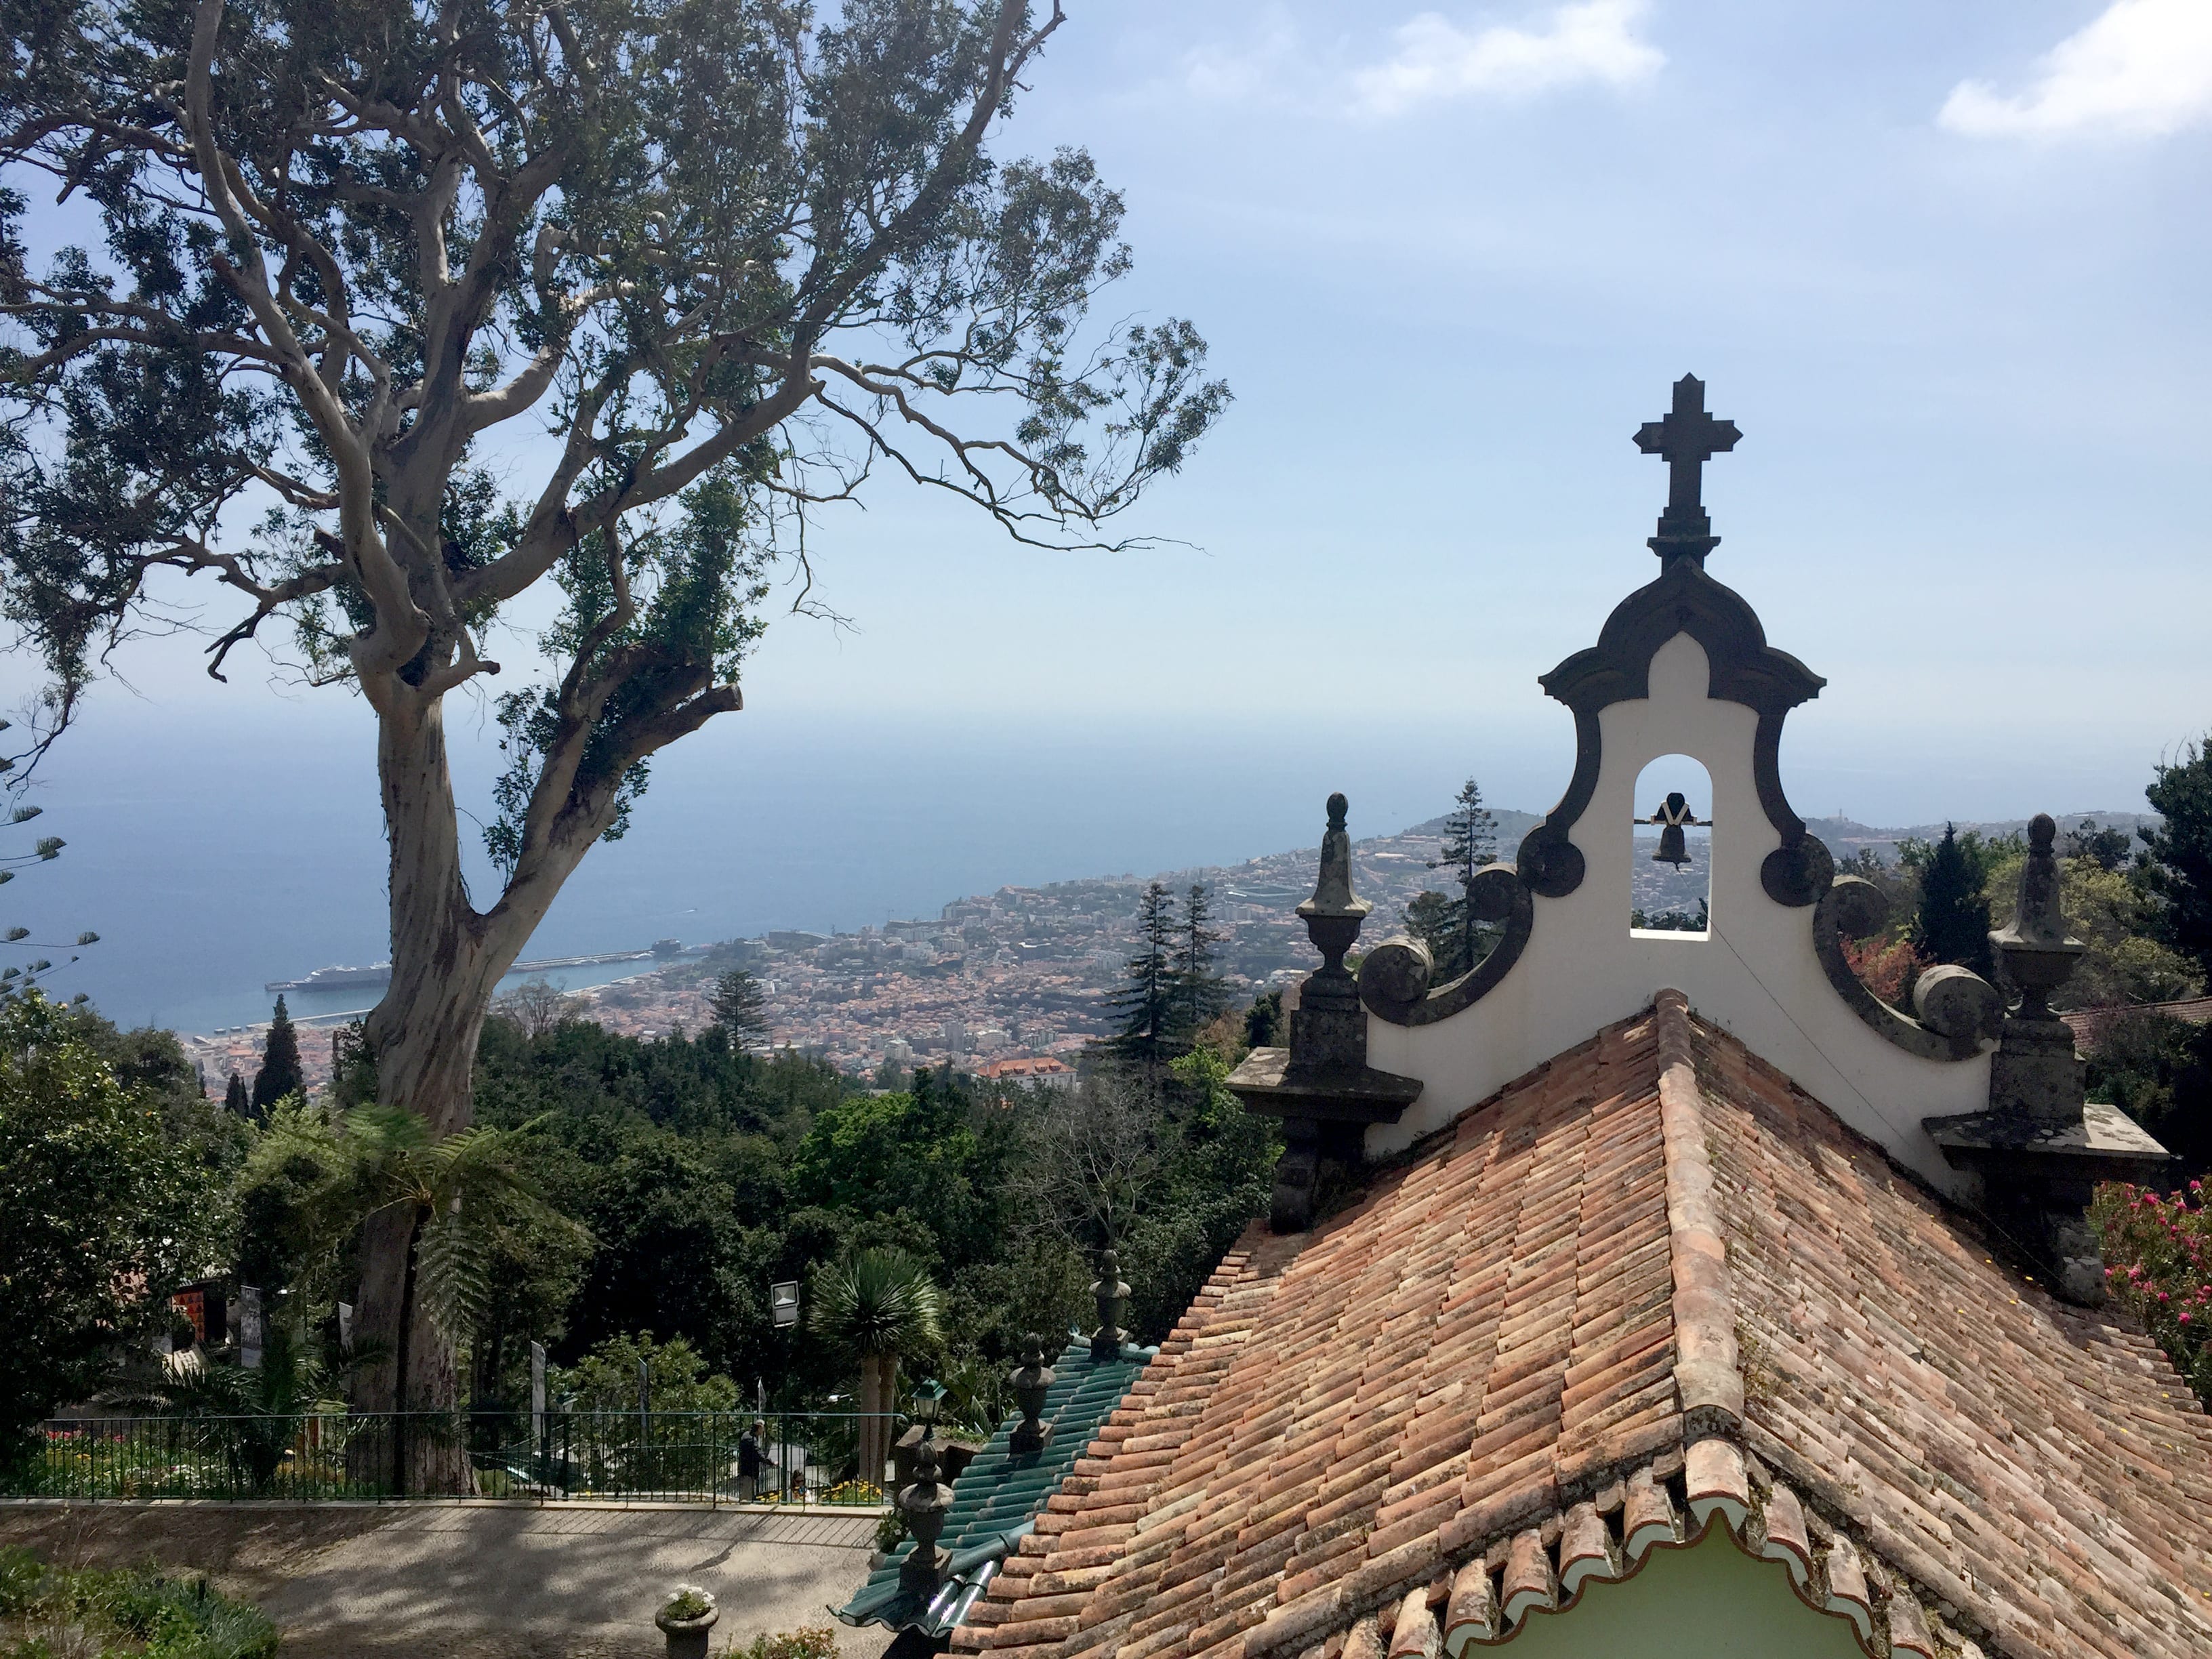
481, 1580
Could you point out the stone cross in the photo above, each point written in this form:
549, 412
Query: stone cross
1688, 437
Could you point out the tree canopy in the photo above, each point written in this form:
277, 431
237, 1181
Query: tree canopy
401, 312
112, 1196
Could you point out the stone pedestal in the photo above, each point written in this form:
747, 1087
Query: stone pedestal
1322, 1085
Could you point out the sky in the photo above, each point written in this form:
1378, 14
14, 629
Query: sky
1943, 266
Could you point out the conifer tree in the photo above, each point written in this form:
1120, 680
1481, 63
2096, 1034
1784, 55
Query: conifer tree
1200, 995
1953, 922
1145, 1004
235, 1098
1433, 919
740, 1007
1470, 841
280, 1074
2179, 867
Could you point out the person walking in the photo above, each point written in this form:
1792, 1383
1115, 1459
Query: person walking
751, 1455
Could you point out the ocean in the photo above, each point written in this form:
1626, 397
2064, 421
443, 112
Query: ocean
213, 859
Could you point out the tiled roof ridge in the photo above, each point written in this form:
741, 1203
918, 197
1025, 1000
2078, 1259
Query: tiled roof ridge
1708, 1377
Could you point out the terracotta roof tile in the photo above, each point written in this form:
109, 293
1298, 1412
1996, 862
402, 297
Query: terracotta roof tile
1649, 1286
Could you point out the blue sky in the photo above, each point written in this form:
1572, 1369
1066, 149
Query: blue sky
1945, 265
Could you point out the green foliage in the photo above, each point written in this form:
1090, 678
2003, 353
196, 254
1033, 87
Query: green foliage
1200, 994
702, 1173
876, 1302
2158, 1252
105, 1207
2115, 915
1147, 1005
2106, 848
1674, 922
1265, 1025
740, 1006
605, 1379
1456, 938
810, 1642
2177, 856
60, 1611
1953, 922
669, 233
2157, 1070
280, 1074
235, 1099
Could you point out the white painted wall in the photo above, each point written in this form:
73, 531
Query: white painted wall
1755, 975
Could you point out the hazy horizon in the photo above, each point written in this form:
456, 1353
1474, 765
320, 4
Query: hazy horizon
1943, 267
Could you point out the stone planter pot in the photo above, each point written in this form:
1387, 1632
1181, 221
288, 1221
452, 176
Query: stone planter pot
687, 1637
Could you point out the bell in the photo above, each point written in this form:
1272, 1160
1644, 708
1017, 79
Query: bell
1674, 847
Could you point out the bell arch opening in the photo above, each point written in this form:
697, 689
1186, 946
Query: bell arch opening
1670, 869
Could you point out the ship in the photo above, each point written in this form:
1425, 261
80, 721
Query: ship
379, 975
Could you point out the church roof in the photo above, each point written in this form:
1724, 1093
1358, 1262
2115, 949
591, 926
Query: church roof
1647, 1284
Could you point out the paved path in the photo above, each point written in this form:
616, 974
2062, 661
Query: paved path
480, 1581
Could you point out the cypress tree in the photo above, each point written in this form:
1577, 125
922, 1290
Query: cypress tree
235, 1099
280, 1074
1953, 922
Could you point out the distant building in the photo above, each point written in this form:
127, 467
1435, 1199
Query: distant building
988, 1038
1053, 1073
956, 1036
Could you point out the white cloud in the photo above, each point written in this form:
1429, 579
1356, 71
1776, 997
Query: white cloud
1592, 41
1256, 70
2143, 68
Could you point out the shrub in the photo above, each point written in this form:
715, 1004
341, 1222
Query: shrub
2159, 1256
813, 1642
54, 1610
1887, 967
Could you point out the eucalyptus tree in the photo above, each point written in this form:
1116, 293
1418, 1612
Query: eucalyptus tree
408, 314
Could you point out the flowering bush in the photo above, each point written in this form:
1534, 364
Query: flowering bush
2158, 1253
1885, 966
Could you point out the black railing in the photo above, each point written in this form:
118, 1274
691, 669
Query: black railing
628, 1457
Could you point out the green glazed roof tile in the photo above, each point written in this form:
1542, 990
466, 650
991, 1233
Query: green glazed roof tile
998, 1496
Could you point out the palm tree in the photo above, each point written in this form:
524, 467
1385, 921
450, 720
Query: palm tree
872, 1307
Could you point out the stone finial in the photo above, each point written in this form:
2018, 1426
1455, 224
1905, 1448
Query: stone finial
2034, 1075
1321, 1086
1332, 897
2041, 1148
1112, 1296
924, 1504
2038, 956
1030, 1380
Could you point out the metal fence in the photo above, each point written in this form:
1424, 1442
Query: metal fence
632, 1456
